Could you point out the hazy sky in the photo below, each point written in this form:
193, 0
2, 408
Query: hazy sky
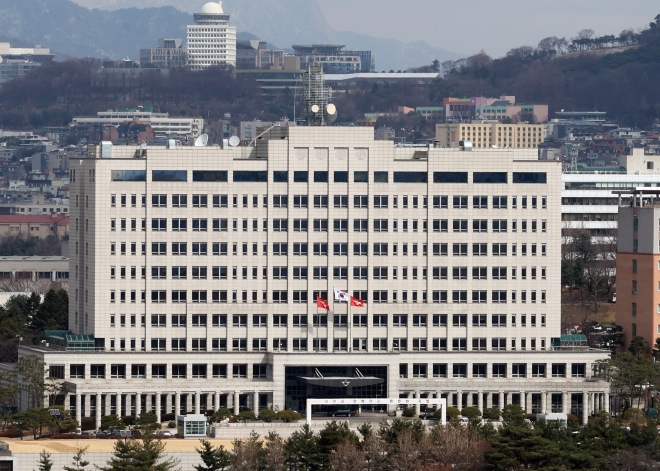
467, 26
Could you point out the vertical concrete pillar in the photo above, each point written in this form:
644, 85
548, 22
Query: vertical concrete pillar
138, 404
230, 401
88, 405
565, 405
108, 404
255, 400
177, 403
216, 404
237, 399
78, 408
606, 401
459, 400
500, 400
585, 408
544, 402
168, 403
129, 405
480, 400
149, 402
509, 397
528, 402
98, 411
198, 402
158, 407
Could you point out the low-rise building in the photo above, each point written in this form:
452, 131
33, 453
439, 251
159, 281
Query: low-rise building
40, 226
18, 61
484, 134
161, 123
170, 54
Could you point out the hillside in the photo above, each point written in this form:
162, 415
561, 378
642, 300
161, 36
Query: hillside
76, 31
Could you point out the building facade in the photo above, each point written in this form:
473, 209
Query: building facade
40, 226
211, 40
484, 134
199, 271
638, 264
18, 61
170, 54
161, 123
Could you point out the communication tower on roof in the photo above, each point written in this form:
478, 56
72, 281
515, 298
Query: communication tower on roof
316, 95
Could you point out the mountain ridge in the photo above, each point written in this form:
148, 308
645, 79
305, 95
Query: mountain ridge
78, 31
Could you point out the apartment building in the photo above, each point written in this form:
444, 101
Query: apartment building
484, 134
196, 272
211, 41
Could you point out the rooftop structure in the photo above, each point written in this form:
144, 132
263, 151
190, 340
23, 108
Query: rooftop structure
169, 54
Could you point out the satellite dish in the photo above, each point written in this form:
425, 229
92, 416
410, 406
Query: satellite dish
202, 140
234, 141
331, 111
315, 108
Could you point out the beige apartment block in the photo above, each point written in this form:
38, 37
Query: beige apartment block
485, 134
195, 273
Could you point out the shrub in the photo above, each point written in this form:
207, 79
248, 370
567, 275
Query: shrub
246, 415
171, 424
453, 413
492, 413
471, 412
410, 412
633, 413
267, 415
572, 420
221, 413
438, 413
288, 415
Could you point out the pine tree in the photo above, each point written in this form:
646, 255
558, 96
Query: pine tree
45, 463
79, 462
302, 450
214, 459
122, 457
148, 455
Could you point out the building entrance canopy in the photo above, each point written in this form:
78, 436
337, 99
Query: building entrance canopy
342, 381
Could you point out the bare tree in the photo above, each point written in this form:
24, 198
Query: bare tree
248, 454
347, 457
375, 453
408, 457
274, 455
456, 447
585, 34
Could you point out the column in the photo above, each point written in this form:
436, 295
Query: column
88, 405
158, 406
544, 402
523, 401
98, 411
198, 401
138, 404
129, 404
237, 395
480, 401
78, 408
149, 402
585, 408
230, 401
177, 403
255, 399
528, 402
500, 401
216, 404
108, 404
606, 400
565, 406
168, 403
418, 409
459, 400
508, 398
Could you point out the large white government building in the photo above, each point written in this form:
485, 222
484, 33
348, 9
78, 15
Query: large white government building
195, 273
211, 40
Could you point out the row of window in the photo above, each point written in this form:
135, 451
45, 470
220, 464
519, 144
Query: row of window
244, 176
339, 201
338, 225
260, 371
321, 320
321, 248
301, 296
338, 273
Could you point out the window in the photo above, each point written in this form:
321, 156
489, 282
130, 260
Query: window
320, 201
450, 177
459, 225
459, 273
341, 201
459, 370
380, 296
499, 250
320, 249
460, 250
439, 273
479, 296
178, 345
158, 320
340, 225
299, 249
399, 344
199, 225
181, 225
499, 370
459, 296
279, 249
199, 320
178, 248
479, 250
419, 320
498, 296
77, 371
380, 225
439, 296
499, 202
139, 371
460, 202
538, 370
459, 320
400, 320
498, 344
519, 370
157, 201
530, 177
498, 320
558, 370
578, 370
380, 201
320, 225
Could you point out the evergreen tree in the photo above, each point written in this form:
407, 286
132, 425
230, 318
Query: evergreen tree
123, 457
148, 455
45, 463
214, 459
52, 313
112, 422
302, 450
333, 434
79, 463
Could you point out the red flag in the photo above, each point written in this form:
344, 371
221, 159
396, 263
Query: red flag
322, 303
356, 302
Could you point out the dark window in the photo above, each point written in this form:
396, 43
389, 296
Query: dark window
341, 177
250, 176
209, 175
321, 177
280, 176
128, 175
300, 177
380, 177
530, 177
450, 177
361, 177
410, 177
489, 177
169, 175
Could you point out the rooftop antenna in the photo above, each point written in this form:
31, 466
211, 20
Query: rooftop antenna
316, 95
143, 149
202, 140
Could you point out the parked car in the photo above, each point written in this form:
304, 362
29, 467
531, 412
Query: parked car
165, 434
428, 416
341, 413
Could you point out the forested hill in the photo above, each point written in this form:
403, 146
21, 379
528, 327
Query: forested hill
624, 84
586, 74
